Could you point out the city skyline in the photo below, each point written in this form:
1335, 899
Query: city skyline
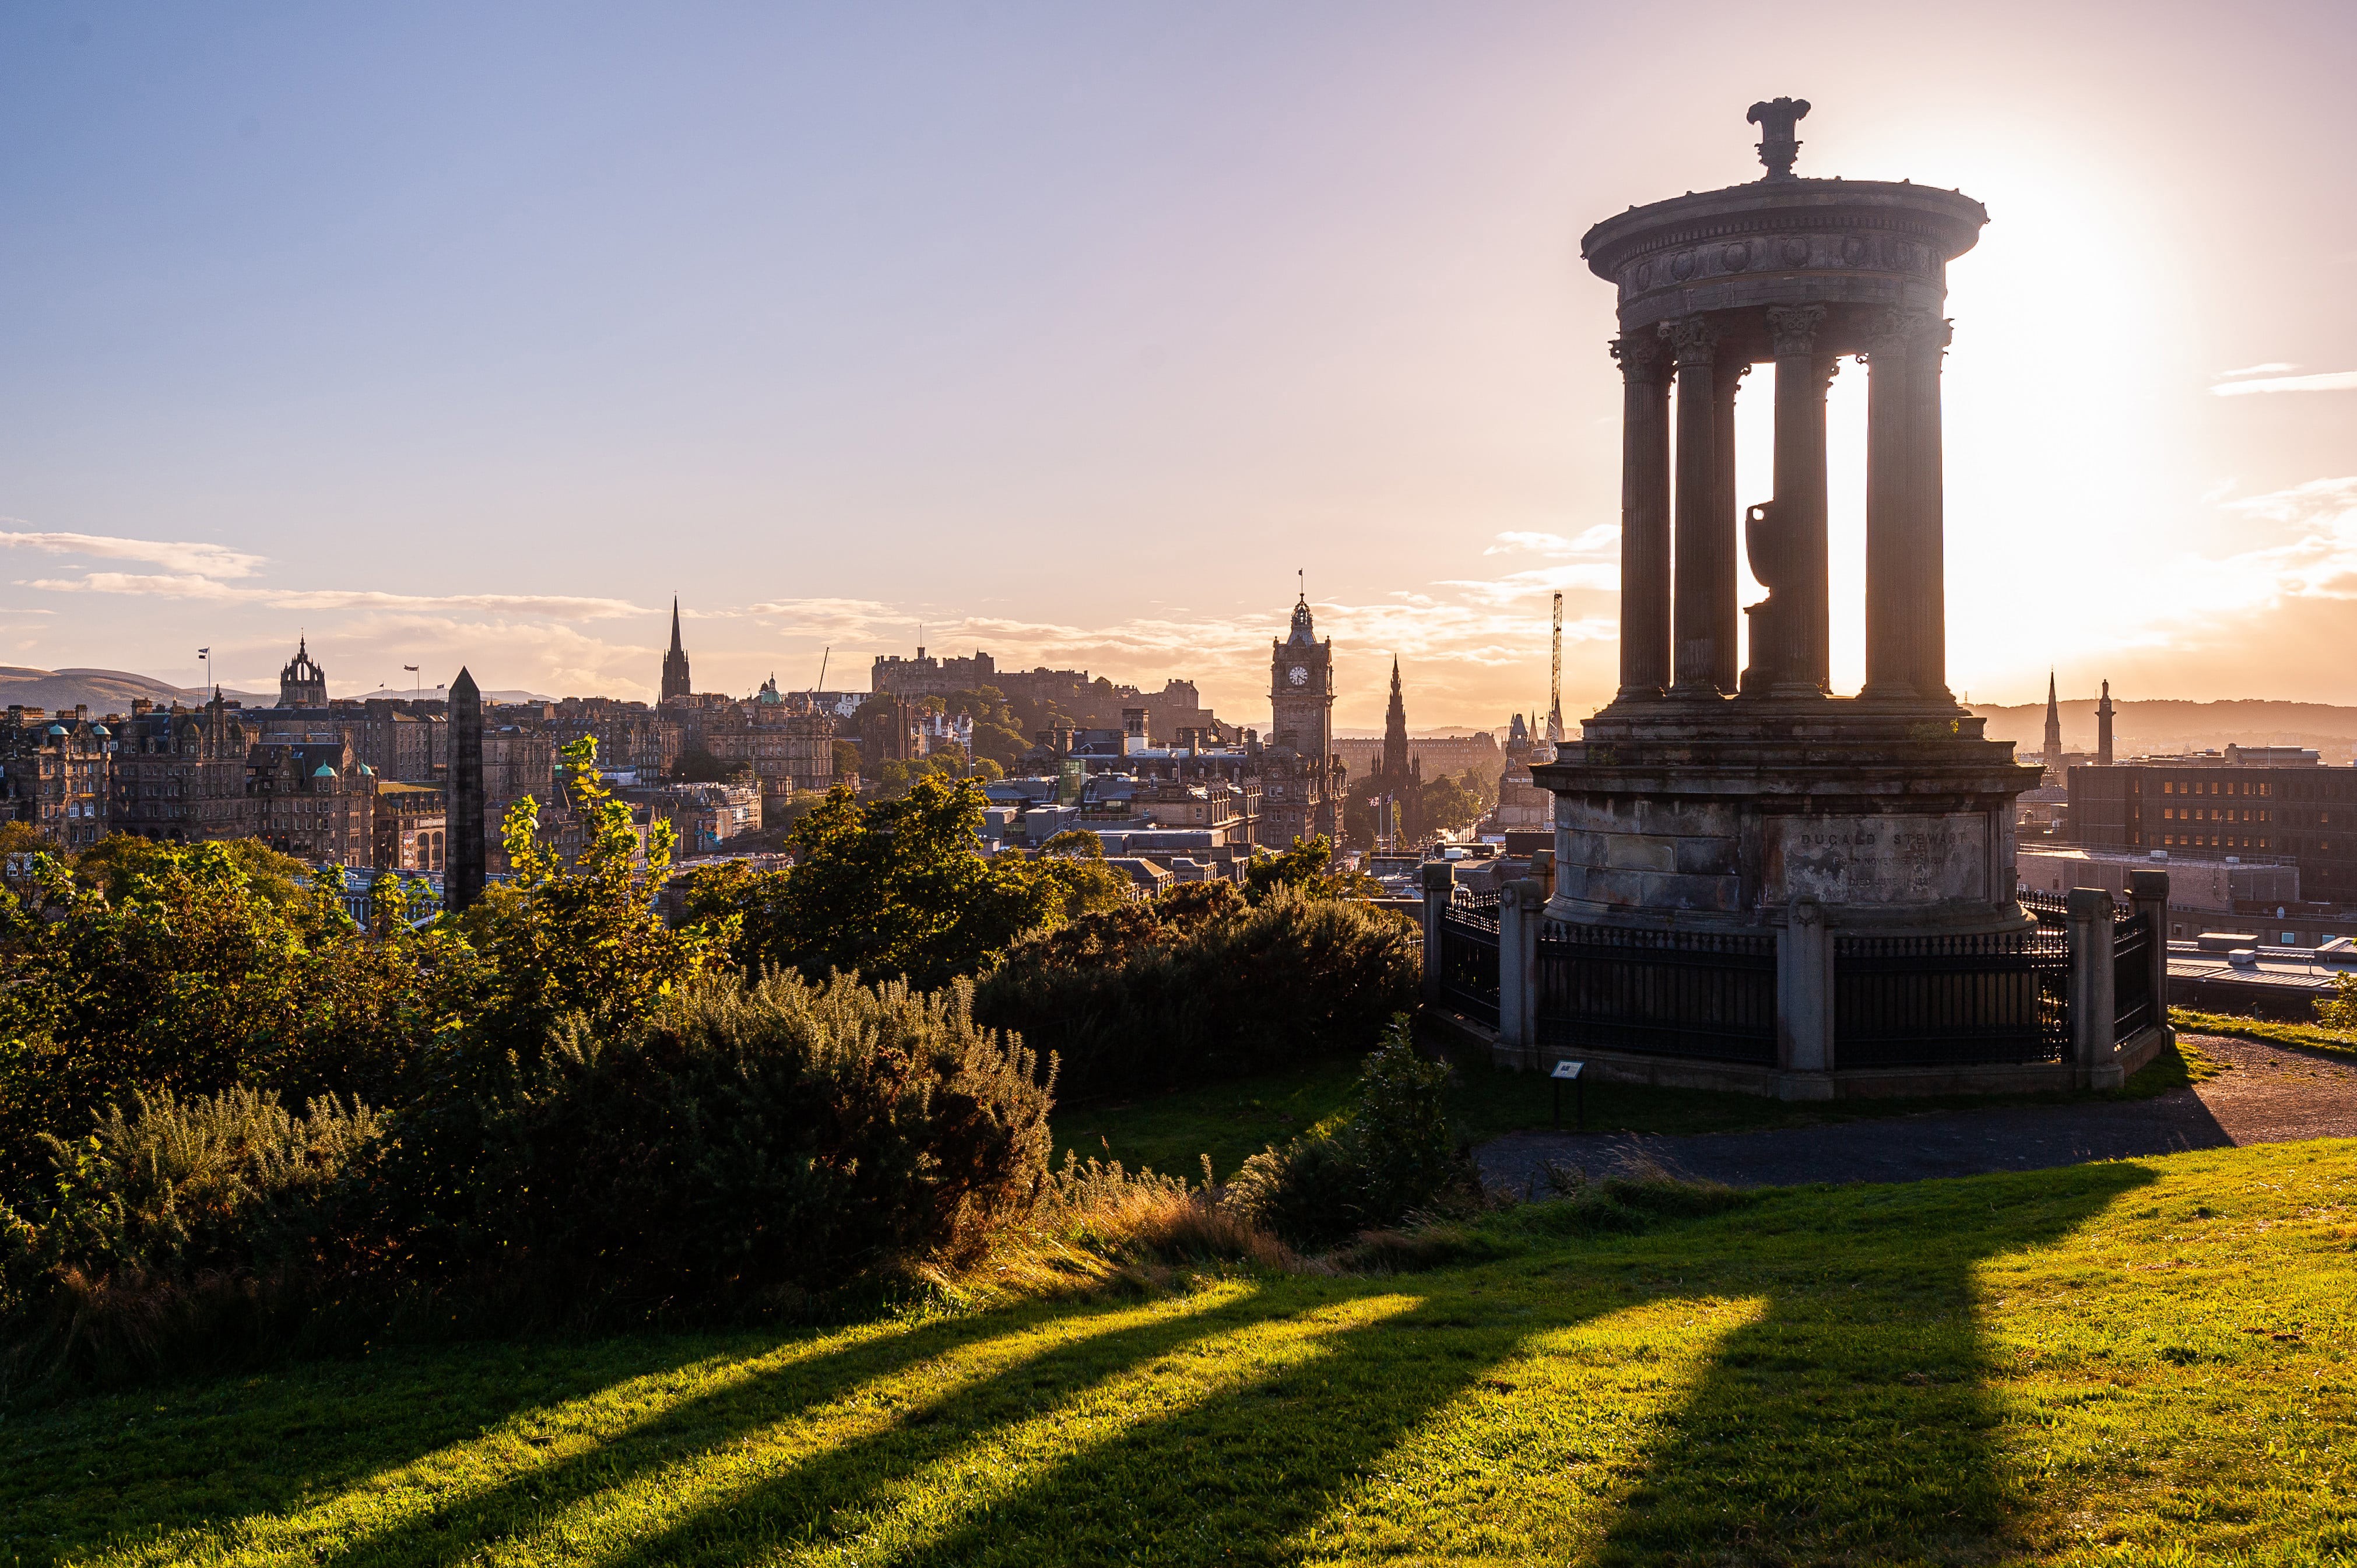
1072, 336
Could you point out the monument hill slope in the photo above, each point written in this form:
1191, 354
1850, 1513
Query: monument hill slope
2142, 1361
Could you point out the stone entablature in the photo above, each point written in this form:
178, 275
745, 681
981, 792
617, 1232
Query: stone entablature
1865, 243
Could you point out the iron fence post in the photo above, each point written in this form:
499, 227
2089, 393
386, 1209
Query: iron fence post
2090, 911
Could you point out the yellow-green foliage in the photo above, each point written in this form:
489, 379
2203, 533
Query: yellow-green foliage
2137, 1362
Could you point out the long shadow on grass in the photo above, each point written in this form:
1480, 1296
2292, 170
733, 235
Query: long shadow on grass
697, 1424
1852, 1422
188, 1454
1239, 1477
1115, 1500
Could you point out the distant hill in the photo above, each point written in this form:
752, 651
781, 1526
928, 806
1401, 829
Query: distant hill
112, 690
104, 691
2168, 726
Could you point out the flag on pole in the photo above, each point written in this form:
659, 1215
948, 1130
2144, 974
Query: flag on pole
204, 653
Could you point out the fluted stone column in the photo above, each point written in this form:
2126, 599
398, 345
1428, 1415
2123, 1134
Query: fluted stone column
1927, 559
1703, 560
1726, 535
1804, 661
1892, 496
1644, 516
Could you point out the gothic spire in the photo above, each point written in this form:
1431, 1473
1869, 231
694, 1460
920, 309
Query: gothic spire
675, 648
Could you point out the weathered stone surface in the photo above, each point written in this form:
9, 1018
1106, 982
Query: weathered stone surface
1635, 852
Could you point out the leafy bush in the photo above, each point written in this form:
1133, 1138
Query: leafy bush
164, 1225
896, 889
1197, 985
2338, 1012
745, 1143
1395, 1156
192, 977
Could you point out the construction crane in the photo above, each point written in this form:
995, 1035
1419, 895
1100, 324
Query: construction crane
1555, 681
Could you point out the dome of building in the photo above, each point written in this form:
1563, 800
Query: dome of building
365, 771
324, 771
101, 731
56, 729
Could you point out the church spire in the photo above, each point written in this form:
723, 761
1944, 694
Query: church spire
2053, 724
1395, 762
675, 682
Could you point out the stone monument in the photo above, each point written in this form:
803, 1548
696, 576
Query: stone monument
1707, 798
463, 879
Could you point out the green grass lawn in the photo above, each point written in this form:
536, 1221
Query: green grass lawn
2141, 1362
1230, 1121
2303, 1036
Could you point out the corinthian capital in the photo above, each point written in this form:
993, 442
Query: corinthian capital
1792, 328
1642, 360
1693, 338
1894, 331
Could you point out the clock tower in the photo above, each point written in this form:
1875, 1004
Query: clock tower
1301, 690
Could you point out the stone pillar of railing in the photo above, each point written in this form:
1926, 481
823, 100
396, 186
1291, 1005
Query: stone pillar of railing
2149, 895
1805, 1004
1520, 910
1439, 882
2090, 910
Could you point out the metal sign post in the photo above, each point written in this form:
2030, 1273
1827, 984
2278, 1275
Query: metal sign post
1578, 1094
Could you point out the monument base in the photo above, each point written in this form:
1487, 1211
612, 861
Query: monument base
1723, 814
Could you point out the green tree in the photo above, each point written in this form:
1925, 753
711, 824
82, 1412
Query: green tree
846, 760
585, 938
895, 888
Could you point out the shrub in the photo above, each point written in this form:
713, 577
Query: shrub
165, 1226
1395, 1156
746, 1143
2338, 1012
193, 977
1197, 986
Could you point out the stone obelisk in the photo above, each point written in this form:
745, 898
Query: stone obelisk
463, 882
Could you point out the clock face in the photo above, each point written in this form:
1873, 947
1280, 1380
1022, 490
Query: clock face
1300, 675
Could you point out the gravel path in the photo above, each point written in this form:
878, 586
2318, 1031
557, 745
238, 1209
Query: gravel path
2267, 1094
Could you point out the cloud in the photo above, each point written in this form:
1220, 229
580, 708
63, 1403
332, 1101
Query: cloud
2327, 381
1600, 540
2271, 368
189, 586
178, 555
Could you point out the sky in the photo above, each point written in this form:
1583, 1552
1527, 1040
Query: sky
444, 334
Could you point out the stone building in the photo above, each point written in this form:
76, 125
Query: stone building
57, 774
629, 734
312, 800
411, 829
1301, 779
180, 775
2250, 802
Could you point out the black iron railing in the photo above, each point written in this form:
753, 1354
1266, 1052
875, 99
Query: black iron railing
1468, 955
2050, 910
2132, 939
1707, 995
1951, 1001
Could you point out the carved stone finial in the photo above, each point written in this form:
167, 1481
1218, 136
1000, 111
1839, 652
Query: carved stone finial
1792, 328
1778, 147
